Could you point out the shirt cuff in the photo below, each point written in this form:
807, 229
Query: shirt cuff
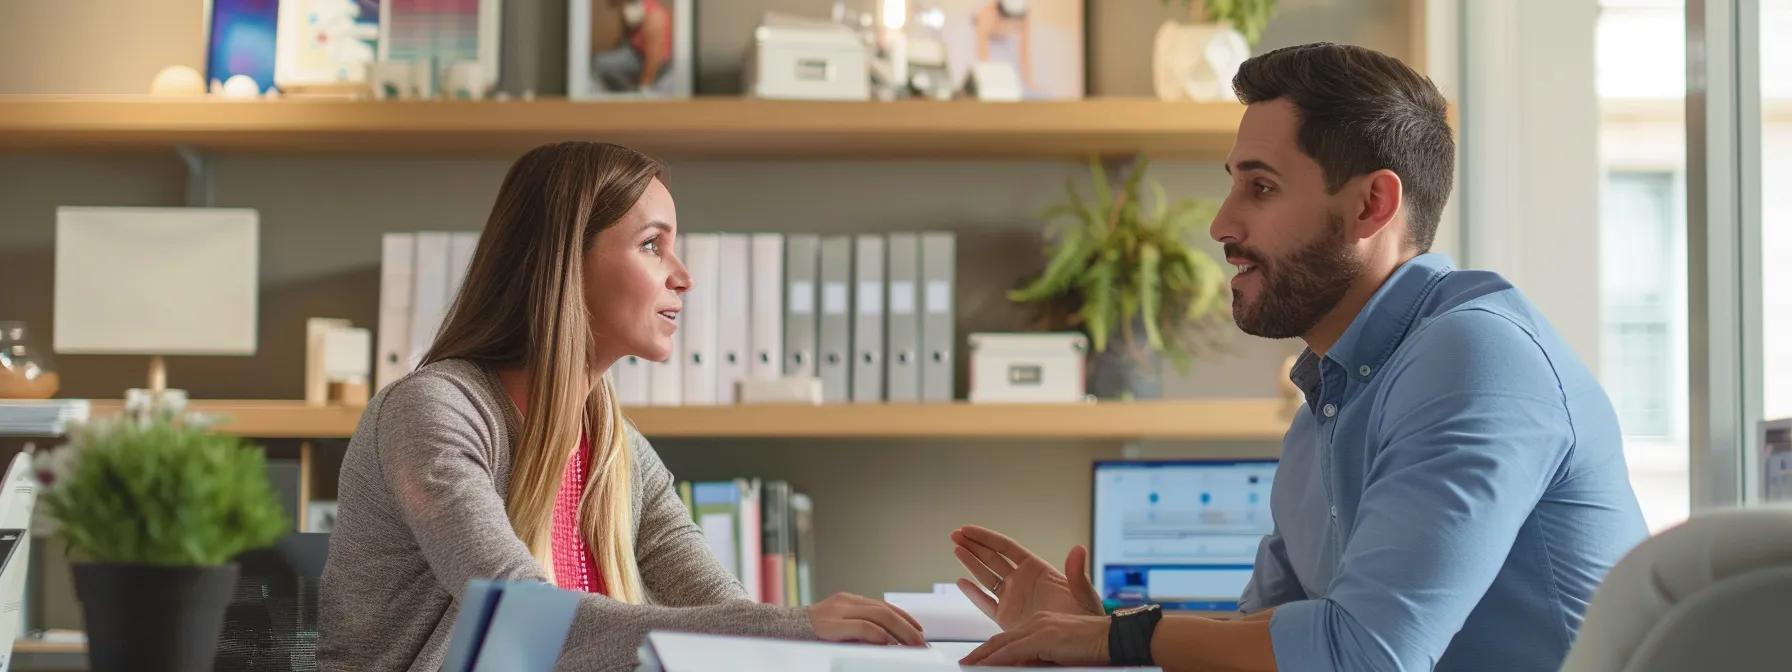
1299, 637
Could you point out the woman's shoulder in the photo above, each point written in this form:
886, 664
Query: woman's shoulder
445, 393
454, 382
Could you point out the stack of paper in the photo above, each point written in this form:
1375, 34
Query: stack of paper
685, 652
946, 615
49, 417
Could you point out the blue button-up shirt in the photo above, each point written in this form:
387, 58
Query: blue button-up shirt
1452, 492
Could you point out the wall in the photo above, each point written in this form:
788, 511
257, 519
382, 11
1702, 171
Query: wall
883, 508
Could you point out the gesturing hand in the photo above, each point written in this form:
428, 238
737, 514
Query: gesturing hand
1023, 584
845, 617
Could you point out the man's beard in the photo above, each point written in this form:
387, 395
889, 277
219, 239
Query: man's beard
1299, 289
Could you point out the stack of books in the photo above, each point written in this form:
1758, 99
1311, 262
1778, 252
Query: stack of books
762, 532
49, 417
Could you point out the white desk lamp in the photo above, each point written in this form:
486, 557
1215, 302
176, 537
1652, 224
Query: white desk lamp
156, 281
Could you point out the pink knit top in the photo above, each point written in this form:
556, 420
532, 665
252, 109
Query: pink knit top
574, 568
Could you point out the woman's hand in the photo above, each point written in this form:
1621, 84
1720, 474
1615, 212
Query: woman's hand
1023, 584
845, 617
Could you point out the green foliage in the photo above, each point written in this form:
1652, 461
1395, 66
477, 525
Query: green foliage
1249, 17
159, 493
1112, 260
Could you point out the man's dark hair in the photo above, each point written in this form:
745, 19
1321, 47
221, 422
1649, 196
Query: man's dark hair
1362, 111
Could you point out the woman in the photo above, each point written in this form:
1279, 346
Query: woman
506, 456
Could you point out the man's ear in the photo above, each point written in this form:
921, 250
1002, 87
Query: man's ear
1378, 202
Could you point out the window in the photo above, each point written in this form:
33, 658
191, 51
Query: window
1639, 67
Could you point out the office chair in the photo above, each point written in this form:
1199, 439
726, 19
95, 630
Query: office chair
1712, 594
271, 623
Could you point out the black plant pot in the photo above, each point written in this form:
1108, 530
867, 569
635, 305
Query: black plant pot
147, 618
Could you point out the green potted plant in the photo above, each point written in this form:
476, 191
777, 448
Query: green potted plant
1124, 273
153, 512
1195, 58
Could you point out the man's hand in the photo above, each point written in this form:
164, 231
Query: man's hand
1058, 639
1023, 584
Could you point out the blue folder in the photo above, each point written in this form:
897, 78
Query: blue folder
510, 626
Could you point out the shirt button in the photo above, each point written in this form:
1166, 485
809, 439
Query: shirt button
1331, 410
1334, 511
1365, 370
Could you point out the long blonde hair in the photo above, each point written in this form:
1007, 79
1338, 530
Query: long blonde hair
523, 303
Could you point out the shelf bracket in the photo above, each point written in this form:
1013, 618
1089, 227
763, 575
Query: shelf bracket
200, 186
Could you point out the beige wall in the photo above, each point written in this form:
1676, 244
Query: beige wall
883, 508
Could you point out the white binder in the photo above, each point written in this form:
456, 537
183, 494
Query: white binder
802, 261
767, 306
429, 296
631, 376
939, 260
868, 320
834, 331
665, 380
461, 246
902, 343
733, 333
398, 273
702, 256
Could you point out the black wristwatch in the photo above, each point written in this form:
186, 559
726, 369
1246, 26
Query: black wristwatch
1129, 635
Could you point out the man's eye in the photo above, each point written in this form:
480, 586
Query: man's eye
1263, 188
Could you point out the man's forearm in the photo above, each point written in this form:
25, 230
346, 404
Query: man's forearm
1194, 643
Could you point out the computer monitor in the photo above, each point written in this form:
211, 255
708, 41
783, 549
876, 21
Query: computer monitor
16, 501
1180, 533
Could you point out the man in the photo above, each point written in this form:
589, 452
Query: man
1454, 487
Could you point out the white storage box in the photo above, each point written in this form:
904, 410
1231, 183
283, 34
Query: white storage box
803, 59
1028, 368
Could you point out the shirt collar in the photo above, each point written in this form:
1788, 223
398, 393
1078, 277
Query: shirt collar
1381, 325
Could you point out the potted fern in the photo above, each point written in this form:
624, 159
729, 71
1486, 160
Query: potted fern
1196, 58
153, 511
1125, 274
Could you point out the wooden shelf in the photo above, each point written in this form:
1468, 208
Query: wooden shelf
719, 127
1217, 419
41, 647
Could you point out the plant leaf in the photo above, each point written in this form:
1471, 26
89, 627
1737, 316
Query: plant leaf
1148, 284
1100, 305
1104, 199
1069, 258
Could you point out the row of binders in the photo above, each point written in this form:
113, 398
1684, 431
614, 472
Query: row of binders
762, 532
420, 274
870, 316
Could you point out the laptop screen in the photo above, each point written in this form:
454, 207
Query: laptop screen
1179, 533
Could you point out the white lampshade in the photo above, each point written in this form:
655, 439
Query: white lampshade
156, 281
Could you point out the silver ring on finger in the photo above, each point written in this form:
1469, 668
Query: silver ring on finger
997, 588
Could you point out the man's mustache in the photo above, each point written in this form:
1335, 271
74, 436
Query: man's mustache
1234, 251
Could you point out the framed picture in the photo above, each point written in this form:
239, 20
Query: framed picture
325, 43
441, 32
622, 48
239, 40
1042, 40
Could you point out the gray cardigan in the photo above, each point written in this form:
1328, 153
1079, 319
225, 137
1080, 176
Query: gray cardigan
422, 511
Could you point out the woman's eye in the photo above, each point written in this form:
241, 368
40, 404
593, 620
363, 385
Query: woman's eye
652, 245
